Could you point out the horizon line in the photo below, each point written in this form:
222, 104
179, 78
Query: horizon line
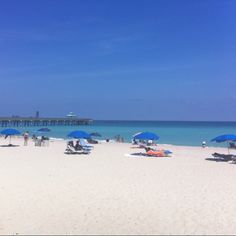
166, 120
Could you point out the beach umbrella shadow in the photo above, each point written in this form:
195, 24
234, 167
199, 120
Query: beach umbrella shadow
9, 145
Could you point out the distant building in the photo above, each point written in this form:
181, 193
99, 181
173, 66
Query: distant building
71, 115
37, 114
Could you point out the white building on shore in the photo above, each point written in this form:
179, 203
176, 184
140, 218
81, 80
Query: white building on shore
71, 115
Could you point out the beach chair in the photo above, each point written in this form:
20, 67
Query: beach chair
38, 142
71, 149
92, 141
85, 144
222, 157
142, 145
233, 159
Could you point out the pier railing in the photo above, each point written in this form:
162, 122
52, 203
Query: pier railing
27, 122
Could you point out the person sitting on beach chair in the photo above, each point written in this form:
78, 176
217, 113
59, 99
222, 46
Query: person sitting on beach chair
76, 149
134, 142
142, 145
149, 142
77, 146
232, 145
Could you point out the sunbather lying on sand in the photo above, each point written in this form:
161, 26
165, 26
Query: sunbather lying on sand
157, 153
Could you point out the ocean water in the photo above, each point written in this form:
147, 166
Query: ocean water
171, 132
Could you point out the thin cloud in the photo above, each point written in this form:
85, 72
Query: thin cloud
111, 44
102, 74
24, 35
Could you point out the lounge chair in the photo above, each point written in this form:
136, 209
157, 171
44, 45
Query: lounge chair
142, 145
233, 159
71, 149
222, 157
92, 141
85, 144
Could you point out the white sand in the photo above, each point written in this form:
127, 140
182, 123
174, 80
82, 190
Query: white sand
44, 191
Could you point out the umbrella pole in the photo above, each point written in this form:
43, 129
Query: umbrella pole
228, 146
10, 141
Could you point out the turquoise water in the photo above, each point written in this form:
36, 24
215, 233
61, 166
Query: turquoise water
171, 132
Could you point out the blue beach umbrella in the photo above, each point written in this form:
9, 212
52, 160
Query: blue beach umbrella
136, 134
44, 130
224, 138
95, 134
10, 132
79, 134
146, 136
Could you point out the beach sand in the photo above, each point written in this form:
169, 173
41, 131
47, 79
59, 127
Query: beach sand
44, 191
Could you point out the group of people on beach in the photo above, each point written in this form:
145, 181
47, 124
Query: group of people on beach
145, 142
26, 137
119, 139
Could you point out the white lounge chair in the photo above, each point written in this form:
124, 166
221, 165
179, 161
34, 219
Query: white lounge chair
84, 143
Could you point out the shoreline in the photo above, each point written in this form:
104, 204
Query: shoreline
55, 139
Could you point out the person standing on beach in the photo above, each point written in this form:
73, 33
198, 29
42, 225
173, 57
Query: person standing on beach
204, 144
26, 138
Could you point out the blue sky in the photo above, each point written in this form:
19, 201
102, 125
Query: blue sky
152, 60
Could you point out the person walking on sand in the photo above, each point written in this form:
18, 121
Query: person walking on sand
26, 138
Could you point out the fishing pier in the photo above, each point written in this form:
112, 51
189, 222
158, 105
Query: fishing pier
36, 121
